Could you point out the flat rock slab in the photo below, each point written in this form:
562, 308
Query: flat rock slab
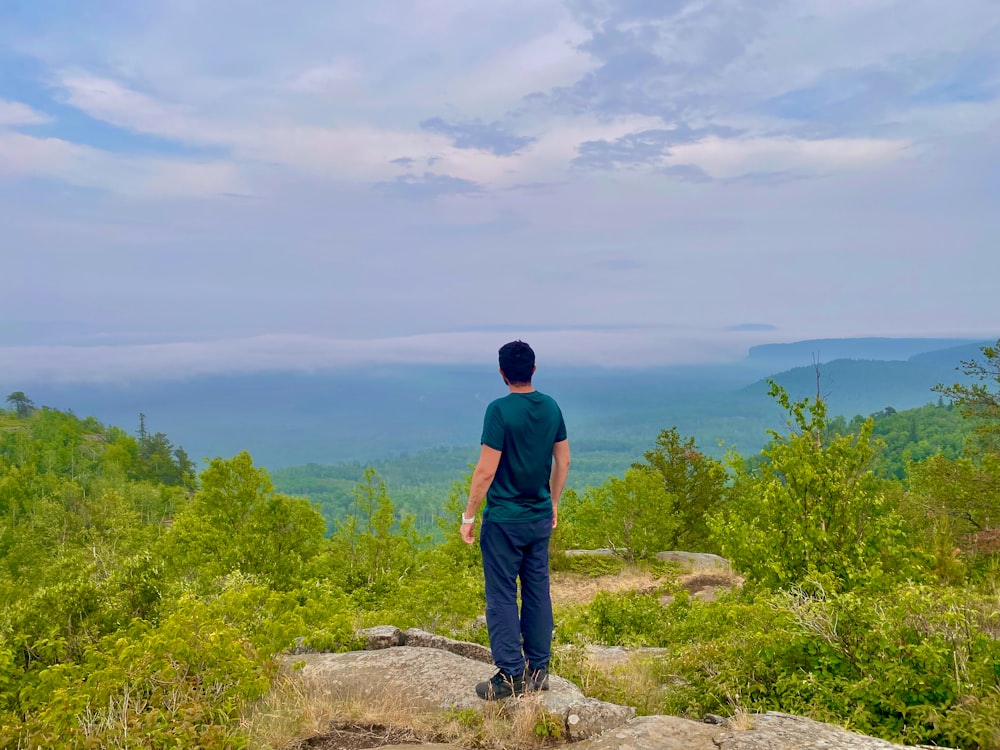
697, 562
770, 731
778, 731
421, 678
657, 733
602, 552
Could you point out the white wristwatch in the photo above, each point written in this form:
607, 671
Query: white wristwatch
468, 520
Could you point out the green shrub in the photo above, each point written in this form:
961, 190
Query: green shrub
181, 684
920, 665
619, 619
595, 566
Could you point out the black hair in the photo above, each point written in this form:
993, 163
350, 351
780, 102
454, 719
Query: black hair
517, 361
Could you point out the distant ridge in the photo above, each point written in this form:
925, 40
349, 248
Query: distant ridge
803, 353
856, 386
952, 356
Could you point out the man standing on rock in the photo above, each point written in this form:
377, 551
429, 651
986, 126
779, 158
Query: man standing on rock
522, 469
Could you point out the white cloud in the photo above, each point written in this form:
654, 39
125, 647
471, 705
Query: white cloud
544, 62
730, 158
626, 348
132, 176
15, 113
346, 153
306, 107
111, 102
333, 77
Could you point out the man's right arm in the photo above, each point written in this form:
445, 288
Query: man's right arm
557, 481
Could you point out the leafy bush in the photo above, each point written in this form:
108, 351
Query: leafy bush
814, 505
594, 566
918, 665
619, 619
182, 683
659, 504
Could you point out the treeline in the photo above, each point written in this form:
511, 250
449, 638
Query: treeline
417, 482
142, 607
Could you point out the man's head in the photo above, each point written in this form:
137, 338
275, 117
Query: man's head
517, 363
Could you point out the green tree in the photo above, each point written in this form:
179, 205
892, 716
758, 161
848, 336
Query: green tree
237, 522
632, 515
977, 401
812, 506
659, 504
960, 498
694, 484
378, 548
21, 404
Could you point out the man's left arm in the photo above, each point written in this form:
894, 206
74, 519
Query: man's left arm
482, 478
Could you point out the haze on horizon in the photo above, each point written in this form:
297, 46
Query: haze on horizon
197, 188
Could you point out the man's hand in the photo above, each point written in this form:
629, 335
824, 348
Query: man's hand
482, 478
555, 516
468, 532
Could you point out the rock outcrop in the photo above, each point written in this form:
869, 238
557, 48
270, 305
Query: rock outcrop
697, 562
387, 636
770, 731
777, 730
421, 678
431, 672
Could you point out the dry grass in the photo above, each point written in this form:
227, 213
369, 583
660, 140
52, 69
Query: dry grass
297, 710
578, 588
742, 720
636, 680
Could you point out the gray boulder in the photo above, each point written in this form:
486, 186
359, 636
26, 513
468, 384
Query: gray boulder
657, 733
773, 730
431, 679
697, 562
382, 636
435, 677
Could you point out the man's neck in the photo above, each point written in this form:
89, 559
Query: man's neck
521, 387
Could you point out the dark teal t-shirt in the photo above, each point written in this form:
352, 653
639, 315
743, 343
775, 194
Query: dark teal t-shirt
524, 427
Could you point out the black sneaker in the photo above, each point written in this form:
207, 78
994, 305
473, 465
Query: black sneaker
536, 679
501, 686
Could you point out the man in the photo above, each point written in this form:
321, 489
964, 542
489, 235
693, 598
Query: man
521, 473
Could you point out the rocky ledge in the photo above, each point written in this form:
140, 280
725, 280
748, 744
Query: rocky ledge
422, 671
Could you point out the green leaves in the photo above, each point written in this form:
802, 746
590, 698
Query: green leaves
814, 505
660, 504
236, 522
977, 401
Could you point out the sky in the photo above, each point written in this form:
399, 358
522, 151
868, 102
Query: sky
211, 186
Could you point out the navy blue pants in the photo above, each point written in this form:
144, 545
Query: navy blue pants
512, 551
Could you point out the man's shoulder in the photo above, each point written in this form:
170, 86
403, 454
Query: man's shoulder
496, 403
546, 398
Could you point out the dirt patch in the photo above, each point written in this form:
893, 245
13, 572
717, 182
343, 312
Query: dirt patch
574, 588
353, 736
696, 582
